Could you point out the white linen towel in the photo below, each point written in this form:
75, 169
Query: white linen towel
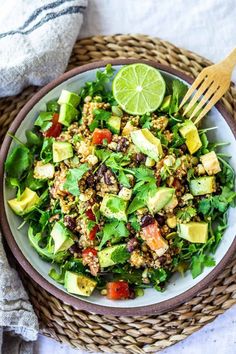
36, 40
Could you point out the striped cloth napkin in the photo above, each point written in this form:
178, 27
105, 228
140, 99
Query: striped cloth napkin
36, 40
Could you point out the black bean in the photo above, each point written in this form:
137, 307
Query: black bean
102, 169
132, 243
108, 176
131, 293
147, 220
160, 219
70, 222
140, 157
122, 145
90, 180
183, 147
162, 260
75, 249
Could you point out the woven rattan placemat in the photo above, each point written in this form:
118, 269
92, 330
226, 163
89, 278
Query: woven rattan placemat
127, 334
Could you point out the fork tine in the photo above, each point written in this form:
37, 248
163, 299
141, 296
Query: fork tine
204, 86
211, 103
211, 90
195, 84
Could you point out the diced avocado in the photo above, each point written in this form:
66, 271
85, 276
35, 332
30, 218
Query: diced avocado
105, 256
210, 163
27, 201
69, 98
113, 124
128, 128
113, 206
67, 114
42, 171
202, 185
189, 113
171, 204
157, 199
61, 150
62, 237
79, 284
194, 231
190, 133
165, 104
147, 143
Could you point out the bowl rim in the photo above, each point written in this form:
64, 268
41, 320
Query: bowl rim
78, 303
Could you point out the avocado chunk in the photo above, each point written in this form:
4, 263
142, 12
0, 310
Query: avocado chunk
158, 198
79, 284
128, 128
113, 206
147, 143
165, 104
196, 232
68, 97
171, 204
62, 237
190, 133
113, 124
27, 201
61, 150
67, 114
210, 163
105, 256
202, 185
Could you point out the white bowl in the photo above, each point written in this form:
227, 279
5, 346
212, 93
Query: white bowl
179, 289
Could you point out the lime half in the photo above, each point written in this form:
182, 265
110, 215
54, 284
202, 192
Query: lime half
138, 88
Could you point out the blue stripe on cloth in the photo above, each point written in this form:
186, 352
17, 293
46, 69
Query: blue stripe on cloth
48, 17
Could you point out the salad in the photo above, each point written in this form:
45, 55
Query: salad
118, 190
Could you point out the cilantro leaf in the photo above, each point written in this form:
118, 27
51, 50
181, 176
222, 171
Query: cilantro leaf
137, 203
44, 120
198, 263
179, 89
123, 179
146, 121
177, 139
157, 277
134, 222
116, 204
186, 214
120, 255
73, 176
100, 116
46, 151
18, 161
114, 229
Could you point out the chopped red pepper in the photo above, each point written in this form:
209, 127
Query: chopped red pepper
55, 130
118, 290
99, 135
90, 215
88, 250
93, 232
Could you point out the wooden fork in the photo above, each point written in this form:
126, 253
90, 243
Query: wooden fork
211, 84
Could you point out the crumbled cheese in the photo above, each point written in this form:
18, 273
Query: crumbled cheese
42, 171
210, 163
125, 193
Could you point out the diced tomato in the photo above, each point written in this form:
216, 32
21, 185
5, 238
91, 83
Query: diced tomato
152, 235
55, 130
99, 135
89, 250
90, 215
93, 232
118, 290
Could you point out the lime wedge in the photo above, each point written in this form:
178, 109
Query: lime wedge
138, 88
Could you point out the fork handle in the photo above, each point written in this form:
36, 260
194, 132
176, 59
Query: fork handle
230, 60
